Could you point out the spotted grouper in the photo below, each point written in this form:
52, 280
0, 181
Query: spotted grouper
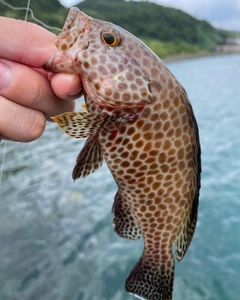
139, 119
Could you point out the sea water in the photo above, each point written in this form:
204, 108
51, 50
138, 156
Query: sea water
56, 237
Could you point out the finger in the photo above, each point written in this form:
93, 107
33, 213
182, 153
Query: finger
31, 90
67, 86
30, 44
19, 123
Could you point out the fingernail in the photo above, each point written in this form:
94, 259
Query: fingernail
75, 93
5, 75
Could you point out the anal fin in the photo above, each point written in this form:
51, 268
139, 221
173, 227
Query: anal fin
89, 159
123, 221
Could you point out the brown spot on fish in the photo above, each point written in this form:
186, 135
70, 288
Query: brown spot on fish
171, 94
97, 86
126, 97
93, 75
116, 95
133, 87
86, 65
64, 47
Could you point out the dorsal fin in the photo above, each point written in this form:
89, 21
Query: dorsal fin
123, 221
185, 235
89, 159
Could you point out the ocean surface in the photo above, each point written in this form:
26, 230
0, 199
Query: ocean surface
56, 236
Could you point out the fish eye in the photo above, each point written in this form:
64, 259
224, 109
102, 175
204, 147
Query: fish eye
111, 38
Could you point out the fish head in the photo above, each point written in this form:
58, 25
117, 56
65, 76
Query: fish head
100, 52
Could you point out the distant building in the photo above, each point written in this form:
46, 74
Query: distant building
229, 45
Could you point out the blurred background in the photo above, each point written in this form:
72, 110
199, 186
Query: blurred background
56, 237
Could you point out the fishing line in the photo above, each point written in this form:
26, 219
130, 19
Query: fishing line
29, 10
3, 161
6, 142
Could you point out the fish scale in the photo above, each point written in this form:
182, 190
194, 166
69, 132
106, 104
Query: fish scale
139, 119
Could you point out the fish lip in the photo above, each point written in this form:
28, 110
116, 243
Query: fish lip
60, 63
47, 66
55, 67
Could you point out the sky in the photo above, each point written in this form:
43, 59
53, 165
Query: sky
224, 14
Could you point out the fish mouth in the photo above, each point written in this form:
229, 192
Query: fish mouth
67, 61
58, 65
63, 62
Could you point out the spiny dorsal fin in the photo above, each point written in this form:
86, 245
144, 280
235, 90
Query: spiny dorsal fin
81, 124
123, 221
89, 159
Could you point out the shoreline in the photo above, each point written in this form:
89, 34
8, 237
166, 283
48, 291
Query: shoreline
182, 57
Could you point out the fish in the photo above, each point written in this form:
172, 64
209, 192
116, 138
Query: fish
138, 118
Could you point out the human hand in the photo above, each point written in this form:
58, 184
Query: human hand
28, 95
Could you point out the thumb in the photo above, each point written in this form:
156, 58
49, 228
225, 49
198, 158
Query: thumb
67, 86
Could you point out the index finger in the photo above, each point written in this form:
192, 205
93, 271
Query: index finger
25, 42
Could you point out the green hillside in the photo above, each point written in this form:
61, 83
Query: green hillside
167, 31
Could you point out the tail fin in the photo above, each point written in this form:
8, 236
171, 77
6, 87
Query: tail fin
151, 282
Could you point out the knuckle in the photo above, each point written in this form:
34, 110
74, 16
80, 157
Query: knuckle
34, 127
38, 126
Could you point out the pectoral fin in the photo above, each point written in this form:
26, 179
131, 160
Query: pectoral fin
81, 124
89, 159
